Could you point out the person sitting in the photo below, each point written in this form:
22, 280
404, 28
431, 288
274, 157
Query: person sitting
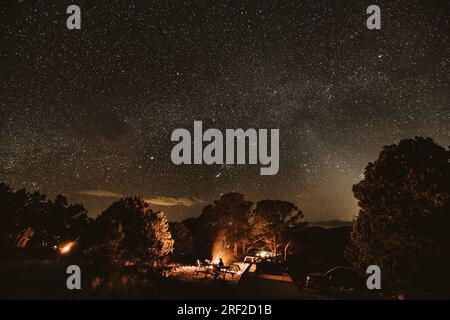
220, 264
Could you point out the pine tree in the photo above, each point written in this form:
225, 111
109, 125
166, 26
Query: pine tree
404, 215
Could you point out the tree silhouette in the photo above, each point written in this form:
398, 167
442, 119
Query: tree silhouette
183, 240
232, 213
60, 222
275, 222
404, 215
30, 219
204, 230
227, 219
127, 233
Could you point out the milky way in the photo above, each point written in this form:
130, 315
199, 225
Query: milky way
89, 112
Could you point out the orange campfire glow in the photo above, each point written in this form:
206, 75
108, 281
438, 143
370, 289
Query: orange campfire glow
220, 251
66, 248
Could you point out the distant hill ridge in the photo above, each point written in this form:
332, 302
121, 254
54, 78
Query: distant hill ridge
332, 223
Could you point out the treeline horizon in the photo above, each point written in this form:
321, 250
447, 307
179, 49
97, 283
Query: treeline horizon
402, 224
74, 210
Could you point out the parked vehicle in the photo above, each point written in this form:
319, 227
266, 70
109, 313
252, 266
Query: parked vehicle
342, 278
267, 280
250, 259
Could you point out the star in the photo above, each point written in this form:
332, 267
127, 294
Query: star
94, 109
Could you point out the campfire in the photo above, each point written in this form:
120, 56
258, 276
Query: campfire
219, 252
67, 247
220, 266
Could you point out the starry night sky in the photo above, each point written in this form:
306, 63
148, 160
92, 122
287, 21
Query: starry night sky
89, 112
